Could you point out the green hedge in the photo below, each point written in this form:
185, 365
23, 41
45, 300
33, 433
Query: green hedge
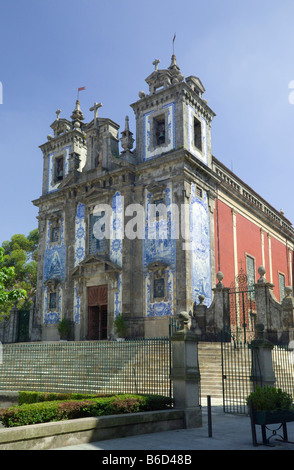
46, 411
35, 397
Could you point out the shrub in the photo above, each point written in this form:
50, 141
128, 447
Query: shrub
120, 327
30, 414
64, 328
35, 397
45, 411
270, 399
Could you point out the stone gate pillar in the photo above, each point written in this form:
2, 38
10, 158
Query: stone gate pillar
185, 374
262, 363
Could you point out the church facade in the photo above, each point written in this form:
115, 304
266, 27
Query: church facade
142, 232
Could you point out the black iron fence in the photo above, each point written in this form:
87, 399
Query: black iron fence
241, 372
131, 366
283, 365
236, 375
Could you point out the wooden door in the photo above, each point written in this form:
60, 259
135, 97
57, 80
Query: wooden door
97, 312
93, 323
103, 320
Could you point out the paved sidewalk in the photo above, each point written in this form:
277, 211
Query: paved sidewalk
229, 432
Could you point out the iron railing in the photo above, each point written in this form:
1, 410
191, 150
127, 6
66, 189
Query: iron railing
130, 366
236, 375
283, 365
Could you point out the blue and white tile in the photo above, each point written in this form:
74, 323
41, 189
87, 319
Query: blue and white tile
159, 249
200, 247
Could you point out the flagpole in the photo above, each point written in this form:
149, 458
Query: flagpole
80, 89
174, 43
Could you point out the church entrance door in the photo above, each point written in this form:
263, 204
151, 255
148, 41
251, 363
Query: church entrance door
97, 313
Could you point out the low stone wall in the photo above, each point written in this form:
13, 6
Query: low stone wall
79, 431
8, 399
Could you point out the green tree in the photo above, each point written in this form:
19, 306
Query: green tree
8, 293
21, 254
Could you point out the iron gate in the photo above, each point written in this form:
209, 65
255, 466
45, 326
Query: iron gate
235, 346
23, 326
236, 375
242, 309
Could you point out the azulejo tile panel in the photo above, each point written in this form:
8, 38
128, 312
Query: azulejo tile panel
54, 255
77, 304
54, 263
80, 253
200, 247
54, 269
116, 245
52, 318
80, 234
159, 244
117, 229
118, 297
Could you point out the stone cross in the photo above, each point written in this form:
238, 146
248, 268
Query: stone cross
155, 63
95, 108
58, 114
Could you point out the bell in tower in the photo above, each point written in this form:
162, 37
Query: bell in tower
160, 131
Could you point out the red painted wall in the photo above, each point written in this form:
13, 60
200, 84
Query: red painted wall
224, 255
266, 256
248, 242
279, 264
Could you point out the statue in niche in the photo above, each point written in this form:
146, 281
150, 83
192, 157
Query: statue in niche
98, 160
59, 169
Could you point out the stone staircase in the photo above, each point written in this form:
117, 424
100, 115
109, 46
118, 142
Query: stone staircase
103, 367
89, 367
111, 367
210, 365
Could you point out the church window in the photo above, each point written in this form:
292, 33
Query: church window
52, 301
199, 192
59, 169
197, 134
96, 244
159, 205
159, 130
282, 286
158, 288
250, 266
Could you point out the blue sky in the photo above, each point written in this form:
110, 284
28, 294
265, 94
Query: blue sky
242, 52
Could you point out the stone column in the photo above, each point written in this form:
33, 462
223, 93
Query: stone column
185, 375
262, 364
262, 289
216, 318
287, 316
221, 304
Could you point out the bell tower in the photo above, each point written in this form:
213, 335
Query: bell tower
173, 115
